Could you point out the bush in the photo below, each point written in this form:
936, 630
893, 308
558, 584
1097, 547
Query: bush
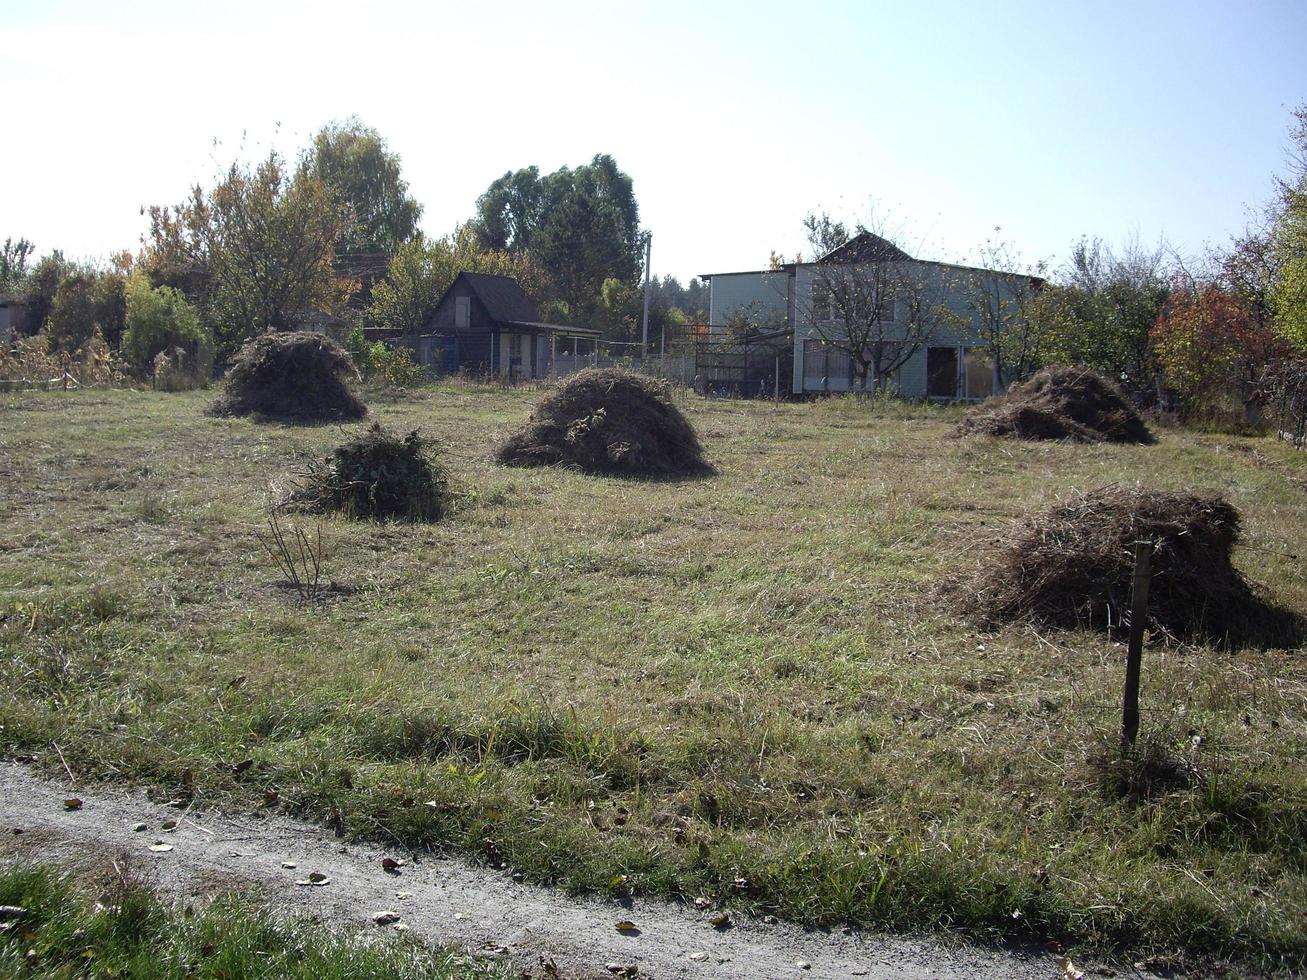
160, 321
1071, 403
295, 377
379, 475
380, 364
1286, 385
603, 420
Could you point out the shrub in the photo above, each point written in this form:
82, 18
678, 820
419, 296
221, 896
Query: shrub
378, 363
296, 377
379, 475
160, 321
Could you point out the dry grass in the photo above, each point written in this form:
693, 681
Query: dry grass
732, 686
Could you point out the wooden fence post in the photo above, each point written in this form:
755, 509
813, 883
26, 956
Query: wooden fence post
1135, 645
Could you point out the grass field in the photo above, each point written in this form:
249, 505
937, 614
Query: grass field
71, 927
744, 686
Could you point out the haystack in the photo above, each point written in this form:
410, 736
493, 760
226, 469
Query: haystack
1071, 403
378, 475
1073, 566
295, 377
603, 420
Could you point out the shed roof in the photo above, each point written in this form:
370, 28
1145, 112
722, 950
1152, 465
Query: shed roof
502, 297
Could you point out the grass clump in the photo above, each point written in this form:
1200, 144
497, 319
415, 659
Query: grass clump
291, 377
379, 475
608, 421
1071, 403
1073, 566
63, 928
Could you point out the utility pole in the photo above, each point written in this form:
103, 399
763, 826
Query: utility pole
644, 329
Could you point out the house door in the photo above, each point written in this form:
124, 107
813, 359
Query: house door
942, 372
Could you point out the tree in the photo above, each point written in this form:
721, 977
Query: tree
13, 265
999, 295
86, 301
582, 225
255, 251
40, 286
871, 301
157, 320
422, 270
1102, 310
1210, 345
1289, 243
354, 162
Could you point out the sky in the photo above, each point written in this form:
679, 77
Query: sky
943, 120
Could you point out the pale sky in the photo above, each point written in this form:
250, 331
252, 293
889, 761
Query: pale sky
1047, 118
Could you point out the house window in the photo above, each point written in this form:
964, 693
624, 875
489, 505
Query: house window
515, 346
462, 311
885, 305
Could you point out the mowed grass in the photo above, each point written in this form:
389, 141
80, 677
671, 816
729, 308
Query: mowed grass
67, 926
745, 687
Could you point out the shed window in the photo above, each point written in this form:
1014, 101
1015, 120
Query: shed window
462, 310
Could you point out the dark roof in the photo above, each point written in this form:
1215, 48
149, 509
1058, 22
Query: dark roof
865, 247
502, 297
553, 328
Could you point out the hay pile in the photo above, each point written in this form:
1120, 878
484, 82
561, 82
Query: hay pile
612, 422
1071, 403
1073, 566
380, 476
294, 377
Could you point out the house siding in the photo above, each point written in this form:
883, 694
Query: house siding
761, 296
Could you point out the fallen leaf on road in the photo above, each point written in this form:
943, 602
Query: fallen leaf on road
138, 827
626, 925
702, 903
72, 803
385, 918
1072, 972
160, 846
390, 865
317, 877
720, 921
288, 864
699, 957
403, 895
623, 969
169, 825
803, 965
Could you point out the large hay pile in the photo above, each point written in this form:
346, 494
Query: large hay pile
1074, 565
1059, 403
296, 377
378, 475
608, 421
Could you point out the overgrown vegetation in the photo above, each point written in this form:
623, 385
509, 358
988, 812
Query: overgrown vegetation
609, 421
118, 928
734, 687
379, 475
1059, 403
1073, 567
294, 377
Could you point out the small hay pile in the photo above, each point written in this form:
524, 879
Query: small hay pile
294, 377
379, 476
1059, 403
1073, 566
607, 421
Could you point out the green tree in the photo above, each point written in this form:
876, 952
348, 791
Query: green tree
40, 286
582, 225
160, 319
1101, 311
1289, 243
86, 300
13, 265
255, 251
422, 270
353, 160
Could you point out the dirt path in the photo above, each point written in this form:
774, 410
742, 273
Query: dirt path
451, 903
